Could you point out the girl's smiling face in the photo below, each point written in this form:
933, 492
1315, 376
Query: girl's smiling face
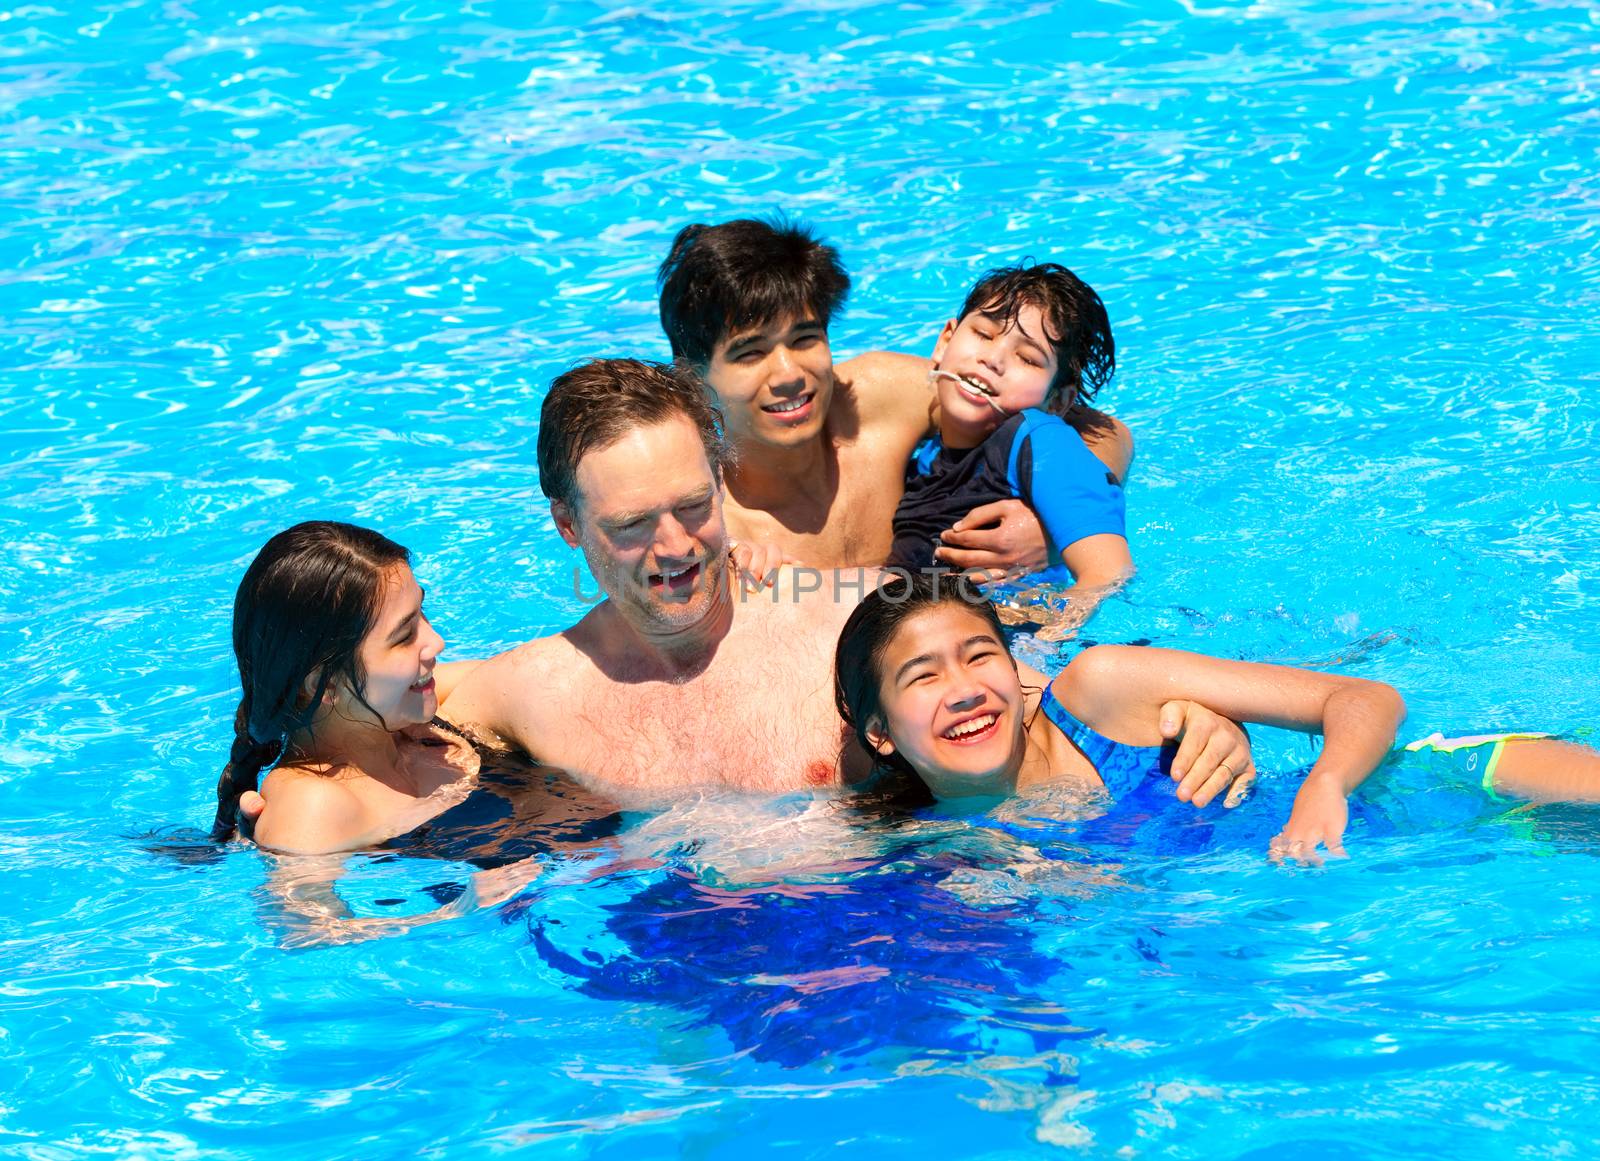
995, 369
951, 703
397, 656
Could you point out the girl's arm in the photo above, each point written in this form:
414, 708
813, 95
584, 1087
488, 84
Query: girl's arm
309, 912
1120, 691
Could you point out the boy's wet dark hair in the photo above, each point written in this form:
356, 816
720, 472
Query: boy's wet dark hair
873, 626
742, 274
306, 603
596, 403
1078, 330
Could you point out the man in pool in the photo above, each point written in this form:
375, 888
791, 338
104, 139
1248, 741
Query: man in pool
820, 450
678, 679
675, 680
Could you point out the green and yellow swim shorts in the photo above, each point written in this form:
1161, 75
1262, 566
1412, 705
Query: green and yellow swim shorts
1476, 756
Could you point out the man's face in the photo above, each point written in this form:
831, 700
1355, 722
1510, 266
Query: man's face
649, 522
774, 382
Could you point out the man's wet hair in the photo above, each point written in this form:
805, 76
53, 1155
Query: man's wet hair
596, 403
719, 280
1077, 327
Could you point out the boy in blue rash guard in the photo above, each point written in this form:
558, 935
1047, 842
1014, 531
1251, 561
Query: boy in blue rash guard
1015, 372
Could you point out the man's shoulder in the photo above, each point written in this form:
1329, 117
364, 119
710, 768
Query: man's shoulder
541, 650
493, 696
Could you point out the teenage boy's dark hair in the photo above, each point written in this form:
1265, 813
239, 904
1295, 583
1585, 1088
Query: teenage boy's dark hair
1077, 326
596, 403
742, 274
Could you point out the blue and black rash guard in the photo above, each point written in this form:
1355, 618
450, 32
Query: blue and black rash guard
1034, 457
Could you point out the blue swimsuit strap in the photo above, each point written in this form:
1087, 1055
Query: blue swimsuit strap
1122, 767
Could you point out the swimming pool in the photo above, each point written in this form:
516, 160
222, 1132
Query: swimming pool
263, 265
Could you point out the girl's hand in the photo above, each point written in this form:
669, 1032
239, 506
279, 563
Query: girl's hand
1213, 754
497, 885
1320, 814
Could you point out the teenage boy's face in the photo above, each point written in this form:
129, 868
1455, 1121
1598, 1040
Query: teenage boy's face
774, 382
997, 366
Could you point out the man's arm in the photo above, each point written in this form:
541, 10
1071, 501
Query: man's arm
448, 674
495, 701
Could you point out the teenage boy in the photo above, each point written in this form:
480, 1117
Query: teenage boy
819, 451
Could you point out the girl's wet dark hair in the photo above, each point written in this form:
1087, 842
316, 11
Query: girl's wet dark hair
720, 279
304, 606
866, 636
1079, 332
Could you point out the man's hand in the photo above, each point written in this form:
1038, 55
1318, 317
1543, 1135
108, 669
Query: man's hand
1004, 537
1213, 754
251, 807
1320, 815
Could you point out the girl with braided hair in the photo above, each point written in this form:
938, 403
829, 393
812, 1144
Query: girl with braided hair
336, 664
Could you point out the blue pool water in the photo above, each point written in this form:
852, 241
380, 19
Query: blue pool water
260, 265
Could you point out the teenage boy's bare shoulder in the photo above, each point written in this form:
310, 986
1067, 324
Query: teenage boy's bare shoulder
1112, 444
891, 391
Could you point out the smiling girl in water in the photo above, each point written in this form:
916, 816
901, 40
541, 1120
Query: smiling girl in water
924, 678
336, 660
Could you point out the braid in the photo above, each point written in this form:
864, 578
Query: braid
242, 774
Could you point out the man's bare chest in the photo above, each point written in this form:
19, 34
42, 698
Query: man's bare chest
757, 727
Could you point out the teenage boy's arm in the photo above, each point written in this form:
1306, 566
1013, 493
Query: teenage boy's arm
1003, 538
1113, 446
